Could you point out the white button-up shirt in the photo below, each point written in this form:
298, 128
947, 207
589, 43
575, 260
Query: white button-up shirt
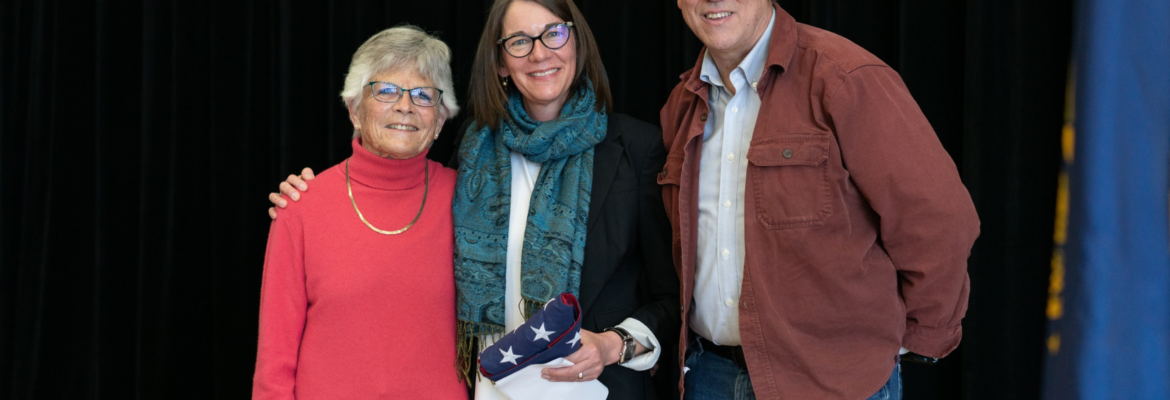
722, 175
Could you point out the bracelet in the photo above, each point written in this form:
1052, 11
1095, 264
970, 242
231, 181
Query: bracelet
628, 345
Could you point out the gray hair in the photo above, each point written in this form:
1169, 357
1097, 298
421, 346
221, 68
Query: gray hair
404, 46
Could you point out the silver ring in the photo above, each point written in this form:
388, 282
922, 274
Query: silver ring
580, 375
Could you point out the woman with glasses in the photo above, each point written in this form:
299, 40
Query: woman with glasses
358, 299
557, 194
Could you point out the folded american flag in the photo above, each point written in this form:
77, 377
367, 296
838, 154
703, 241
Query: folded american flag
554, 331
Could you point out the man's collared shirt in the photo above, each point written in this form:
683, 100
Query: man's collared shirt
722, 172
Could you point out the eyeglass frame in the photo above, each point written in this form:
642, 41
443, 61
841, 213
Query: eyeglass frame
409, 93
567, 24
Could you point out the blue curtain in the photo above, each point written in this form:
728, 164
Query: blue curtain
1110, 295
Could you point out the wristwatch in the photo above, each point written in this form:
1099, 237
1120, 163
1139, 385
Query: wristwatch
628, 345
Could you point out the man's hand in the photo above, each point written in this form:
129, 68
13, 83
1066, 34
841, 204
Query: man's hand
290, 188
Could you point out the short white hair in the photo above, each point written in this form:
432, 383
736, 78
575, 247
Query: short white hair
404, 46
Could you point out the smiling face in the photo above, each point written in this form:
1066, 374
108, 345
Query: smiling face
544, 76
401, 129
727, 27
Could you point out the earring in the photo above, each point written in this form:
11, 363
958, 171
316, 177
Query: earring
504, 81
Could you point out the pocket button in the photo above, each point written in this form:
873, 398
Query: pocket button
787, 153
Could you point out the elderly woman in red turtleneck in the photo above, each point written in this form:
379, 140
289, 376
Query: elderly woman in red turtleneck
358, 298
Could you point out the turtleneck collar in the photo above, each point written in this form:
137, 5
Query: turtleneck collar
385, 173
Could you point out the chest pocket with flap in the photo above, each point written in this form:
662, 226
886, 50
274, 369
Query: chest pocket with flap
789, 180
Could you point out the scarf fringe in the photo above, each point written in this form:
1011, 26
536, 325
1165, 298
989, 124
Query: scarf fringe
469, 335
529, 307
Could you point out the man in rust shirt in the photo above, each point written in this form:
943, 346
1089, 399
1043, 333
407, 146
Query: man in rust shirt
820, 229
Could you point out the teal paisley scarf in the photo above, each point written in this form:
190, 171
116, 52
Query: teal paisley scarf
554, 236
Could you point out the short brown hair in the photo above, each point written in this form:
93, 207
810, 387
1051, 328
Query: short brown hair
488, 96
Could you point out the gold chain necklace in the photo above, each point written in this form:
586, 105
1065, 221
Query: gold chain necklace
426, 187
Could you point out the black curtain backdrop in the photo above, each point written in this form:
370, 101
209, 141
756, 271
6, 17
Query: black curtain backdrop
138, 140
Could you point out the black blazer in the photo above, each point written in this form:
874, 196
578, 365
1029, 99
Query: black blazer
628, 270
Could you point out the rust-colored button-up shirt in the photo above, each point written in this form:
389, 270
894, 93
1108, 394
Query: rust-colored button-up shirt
857, 228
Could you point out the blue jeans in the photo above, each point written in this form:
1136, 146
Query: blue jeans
711, 377
893, 388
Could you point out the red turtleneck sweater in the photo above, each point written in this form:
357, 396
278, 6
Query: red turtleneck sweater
348, 313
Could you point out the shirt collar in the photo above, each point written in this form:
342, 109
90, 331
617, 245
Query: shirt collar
782, 49
752, 64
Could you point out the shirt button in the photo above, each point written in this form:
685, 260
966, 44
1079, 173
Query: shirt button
728, 302
726, 253
703, 117
727, 204
787, 153
734, 110
731, 156
754, 84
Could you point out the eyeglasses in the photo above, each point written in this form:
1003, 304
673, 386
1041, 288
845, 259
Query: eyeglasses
521, 45
387, 92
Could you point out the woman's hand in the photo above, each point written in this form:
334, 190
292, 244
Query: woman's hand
597, 351
289, 188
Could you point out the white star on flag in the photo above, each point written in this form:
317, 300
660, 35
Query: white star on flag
573, 343
541, 333
509, 357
